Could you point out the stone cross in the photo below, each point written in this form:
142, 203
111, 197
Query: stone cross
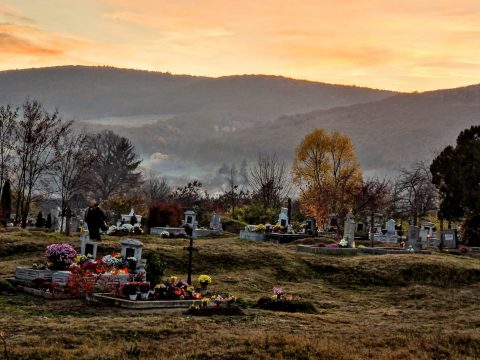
349, 229
414, 237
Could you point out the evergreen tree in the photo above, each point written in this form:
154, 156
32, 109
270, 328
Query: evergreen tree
48, 223
456, 174
40, 220
5, 203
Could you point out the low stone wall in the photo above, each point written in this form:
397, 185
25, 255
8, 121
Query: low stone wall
43, 294
109, 299
197, 233
327, 251
251, 235
354, 251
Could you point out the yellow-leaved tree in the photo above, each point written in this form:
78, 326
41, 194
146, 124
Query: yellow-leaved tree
328, 174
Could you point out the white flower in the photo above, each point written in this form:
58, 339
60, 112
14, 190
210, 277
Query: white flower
343, 243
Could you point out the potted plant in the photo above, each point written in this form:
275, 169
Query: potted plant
60, 256
132, 263
204, 280
144, 290
131, 291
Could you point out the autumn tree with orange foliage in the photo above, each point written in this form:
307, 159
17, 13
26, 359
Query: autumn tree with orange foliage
328, 174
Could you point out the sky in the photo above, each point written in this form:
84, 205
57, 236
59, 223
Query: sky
408, 45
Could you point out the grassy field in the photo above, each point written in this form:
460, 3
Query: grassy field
379, 307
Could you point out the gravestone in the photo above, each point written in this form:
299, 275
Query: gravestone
414, 237
87, 246
216, 223
131, 248
190, 219
449, 239
390, 226
311, 226
283, 217
349, 229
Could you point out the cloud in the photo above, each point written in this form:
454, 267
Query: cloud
11, 44
10, 14
158, 157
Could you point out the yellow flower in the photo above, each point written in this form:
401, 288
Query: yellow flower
204, 279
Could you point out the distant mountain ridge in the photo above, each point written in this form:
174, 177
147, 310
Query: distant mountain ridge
185, 126
95, 92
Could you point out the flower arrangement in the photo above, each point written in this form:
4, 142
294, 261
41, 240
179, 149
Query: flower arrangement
204, 280
260, 228
124, 229
277, 293
164, 234
343, 243
277, 228
223, 299
171, 289
114, 261
60, 256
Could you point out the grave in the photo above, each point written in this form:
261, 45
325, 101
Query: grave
126, 218
311, 226
414, 238
133, 248
349, 230
216, 223
190, 219
283, 217
87, 246
449, 239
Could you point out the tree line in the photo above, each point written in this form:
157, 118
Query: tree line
42, 155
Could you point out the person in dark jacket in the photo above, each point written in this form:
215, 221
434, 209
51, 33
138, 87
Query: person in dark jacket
133, 219
95, 219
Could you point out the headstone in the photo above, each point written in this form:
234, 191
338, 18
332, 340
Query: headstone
130, 247
390, 227
216, 223
190, 219
283, 217
87, 246
311, 226
449, 238
414, 238
349, 229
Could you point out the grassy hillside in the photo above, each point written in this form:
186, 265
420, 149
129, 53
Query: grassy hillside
383, 307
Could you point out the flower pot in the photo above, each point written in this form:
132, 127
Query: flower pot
144, 296
203, 289
132, 297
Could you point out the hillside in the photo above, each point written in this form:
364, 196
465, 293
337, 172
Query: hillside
97, 92
383, 307
186, 127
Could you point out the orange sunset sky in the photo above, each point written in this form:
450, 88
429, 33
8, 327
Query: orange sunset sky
403, 45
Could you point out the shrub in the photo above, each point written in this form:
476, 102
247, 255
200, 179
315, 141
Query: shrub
155, 268
163, 214
6, 287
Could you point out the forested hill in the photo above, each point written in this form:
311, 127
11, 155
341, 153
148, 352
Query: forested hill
186, 126
97, 92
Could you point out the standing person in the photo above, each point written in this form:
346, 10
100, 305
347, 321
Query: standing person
133, 219
95, 219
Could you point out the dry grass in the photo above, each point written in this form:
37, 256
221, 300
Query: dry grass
382, 307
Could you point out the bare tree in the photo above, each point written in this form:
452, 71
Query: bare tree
68, 173
115, 166
156, 188
38, 134
269, 180
416, 195
8, 117
233, 187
